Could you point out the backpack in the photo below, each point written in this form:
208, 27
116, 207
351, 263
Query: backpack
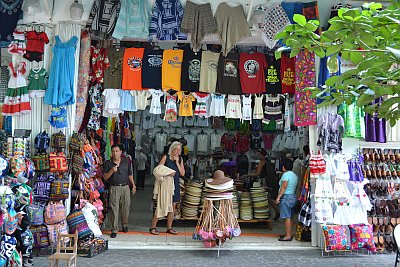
242, 164
40, 236
58, 162
54, 213
42, 141
77, 142
58, 140
41, 162
59, 189
41, 189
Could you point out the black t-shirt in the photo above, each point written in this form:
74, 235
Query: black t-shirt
228, 81
151, 68
121, 176
273, 75
190, 77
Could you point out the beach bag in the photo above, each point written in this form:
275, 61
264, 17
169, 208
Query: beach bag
77, 223
58, 162
53, 229
41, 189
40, 236
36, 213
59, 189
90, 213
58, 140
41, 162
42, 141
55, 212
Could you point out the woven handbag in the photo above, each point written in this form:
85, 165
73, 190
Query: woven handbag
76, 143
77, 163
58, 162
77, 223
58, 140
59, 189
40, 236
41, 162
53, 229
41, 189
54, 213
42, 141
36, 213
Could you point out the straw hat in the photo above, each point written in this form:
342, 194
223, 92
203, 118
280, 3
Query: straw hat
218, 178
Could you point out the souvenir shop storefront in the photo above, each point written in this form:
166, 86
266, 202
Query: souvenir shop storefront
74, 86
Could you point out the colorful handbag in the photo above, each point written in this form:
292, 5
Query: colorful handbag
42, 141
58, 162
77, 163
76, 143
59, 189
41, 162
55, 212
41, 189
54, 229
36, 213
77, 223
58, 140
40, 236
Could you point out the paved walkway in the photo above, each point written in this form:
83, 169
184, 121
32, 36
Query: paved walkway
281, 258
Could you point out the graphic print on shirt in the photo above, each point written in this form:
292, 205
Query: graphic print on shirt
155, 60
251, 67
135, 63
272, 75
194, 70
167, 5
175, 62
230, 68
288, 77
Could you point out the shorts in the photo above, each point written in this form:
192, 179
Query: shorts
286, 206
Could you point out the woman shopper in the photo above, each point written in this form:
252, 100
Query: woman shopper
266, 172
287, 198
174, 161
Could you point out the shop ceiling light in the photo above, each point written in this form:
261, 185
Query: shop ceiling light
76, 10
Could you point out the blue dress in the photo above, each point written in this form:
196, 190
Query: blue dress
60, 89
177, 191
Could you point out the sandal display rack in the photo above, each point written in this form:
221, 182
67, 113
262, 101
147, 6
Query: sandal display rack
382, 168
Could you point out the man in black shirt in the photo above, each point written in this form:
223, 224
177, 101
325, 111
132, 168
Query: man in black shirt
118, 172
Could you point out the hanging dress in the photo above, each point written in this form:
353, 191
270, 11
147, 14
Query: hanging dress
201, 104
258, 112
16, 101
234, 107
246, 110
155, 106
60, 90
217, 105
171, 109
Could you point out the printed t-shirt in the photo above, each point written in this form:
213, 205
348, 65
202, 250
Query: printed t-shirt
209, 72
171, 69
113, 74
190, 79
273, 75
151, 68
228, 81
186, 104
132, 69
287, 74
251, 68
37, 79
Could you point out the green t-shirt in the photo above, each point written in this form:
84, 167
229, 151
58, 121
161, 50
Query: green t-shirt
292, 180
37, 79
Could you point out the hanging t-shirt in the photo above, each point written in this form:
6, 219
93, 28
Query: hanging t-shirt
228, 81
132, 69
273, 75
128, 100
190, 79
171, 69
37, 82
251, 68
209, 72
287, 74
113, 74
151, 68
142, 99
155, 106
186, 104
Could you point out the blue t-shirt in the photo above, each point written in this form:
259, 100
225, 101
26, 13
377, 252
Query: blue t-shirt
292, 180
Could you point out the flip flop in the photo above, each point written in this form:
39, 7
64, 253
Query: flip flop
154, 231
283, 239
171, 231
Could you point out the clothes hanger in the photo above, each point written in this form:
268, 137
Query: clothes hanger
156, 46
175, 47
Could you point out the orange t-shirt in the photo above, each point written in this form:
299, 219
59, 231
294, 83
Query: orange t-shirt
132, 69
171, 69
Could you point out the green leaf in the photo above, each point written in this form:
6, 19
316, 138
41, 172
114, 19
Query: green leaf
333, 50
311, 27
333, 64
294, 52
367, 39
364, 100
300, 19
356, 57
281, 35
346, 55
331, 81
319, 52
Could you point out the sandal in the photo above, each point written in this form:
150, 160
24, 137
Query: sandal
171, 231
154, 231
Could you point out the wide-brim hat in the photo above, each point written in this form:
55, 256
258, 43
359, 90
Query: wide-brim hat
218, 178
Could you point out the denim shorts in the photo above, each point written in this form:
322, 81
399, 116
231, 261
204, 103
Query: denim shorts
286, 206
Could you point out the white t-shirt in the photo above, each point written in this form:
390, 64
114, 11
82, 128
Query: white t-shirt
142, 99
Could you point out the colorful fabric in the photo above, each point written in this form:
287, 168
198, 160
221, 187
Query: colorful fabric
35, 45
201, 104
166, 20
186, 104
10, 11
83, 79
305, 106
171, 109
335, 237
58, 117
103, 17
96, 104
99, 63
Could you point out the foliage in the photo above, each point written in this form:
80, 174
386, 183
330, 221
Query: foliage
371, 40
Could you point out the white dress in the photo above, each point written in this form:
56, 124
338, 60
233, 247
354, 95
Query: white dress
201, 105
112, 103
234, 107
217, 105
246, 111
155, 106
142, 99
258, 112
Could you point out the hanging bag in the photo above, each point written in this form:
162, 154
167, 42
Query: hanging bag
76, 143
59, 189
42, 141
77, 223
36, 213
41, 162
40, 236
54, 213
58, 140
58, 162
55, 229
